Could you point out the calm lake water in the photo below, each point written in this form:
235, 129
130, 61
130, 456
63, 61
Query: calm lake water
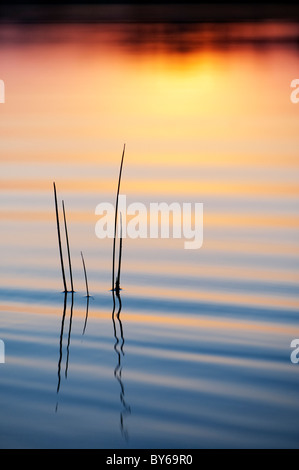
199, 356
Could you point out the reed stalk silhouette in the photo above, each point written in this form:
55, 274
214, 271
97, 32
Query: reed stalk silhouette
117, 283
68, 248
115, 217
87, 293
59, 239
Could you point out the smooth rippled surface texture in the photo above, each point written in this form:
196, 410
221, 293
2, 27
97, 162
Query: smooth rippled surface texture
198, 355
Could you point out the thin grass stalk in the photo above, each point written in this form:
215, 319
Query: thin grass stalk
115, 218
68, 248
86, 282
117, 284
59, 240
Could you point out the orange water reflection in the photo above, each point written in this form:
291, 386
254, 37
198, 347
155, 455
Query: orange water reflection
70, 97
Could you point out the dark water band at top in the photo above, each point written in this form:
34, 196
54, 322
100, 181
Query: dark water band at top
77, 11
